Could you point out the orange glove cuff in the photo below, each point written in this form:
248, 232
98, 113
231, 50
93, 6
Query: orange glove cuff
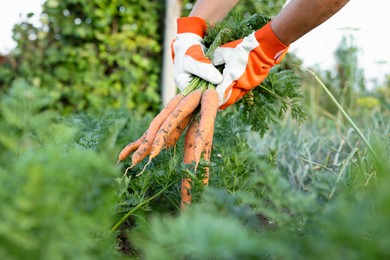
270, 44
191, 24
236, 94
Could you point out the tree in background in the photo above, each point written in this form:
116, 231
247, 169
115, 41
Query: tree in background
91, 54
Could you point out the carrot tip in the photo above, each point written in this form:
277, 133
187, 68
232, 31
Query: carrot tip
196, 167
116, 165
129, 168
139, 174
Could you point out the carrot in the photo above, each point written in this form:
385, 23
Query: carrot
146, 145
185, 108
207, 156
175, 135
131, 147
186, 197
189, 142
208, 113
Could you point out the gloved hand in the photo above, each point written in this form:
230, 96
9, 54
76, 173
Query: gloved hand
247, 63
188, 53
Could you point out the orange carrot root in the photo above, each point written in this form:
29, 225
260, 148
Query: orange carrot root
186, 197
186, 107
189, 141
188, 159
146, 145
177, 132
207, 156
142, 151
208, 113
131, 147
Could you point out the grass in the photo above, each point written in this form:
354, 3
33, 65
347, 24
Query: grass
345, 114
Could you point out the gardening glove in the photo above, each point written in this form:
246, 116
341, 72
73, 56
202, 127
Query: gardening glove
188, 53
247, 63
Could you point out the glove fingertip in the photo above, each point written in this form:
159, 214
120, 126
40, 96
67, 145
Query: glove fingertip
222, 55
215, 77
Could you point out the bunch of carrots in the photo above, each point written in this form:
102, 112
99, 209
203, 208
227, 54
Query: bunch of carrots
194, 109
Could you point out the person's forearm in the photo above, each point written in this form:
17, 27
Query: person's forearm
299, 17
296, 19
212, 11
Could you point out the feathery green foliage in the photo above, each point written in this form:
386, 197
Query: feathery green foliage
279, 93
57, 199
267, 197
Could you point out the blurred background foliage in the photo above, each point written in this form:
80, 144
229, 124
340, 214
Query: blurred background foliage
91, 54
85, 82
98, 55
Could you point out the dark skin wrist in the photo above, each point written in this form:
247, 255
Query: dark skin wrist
296, 19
